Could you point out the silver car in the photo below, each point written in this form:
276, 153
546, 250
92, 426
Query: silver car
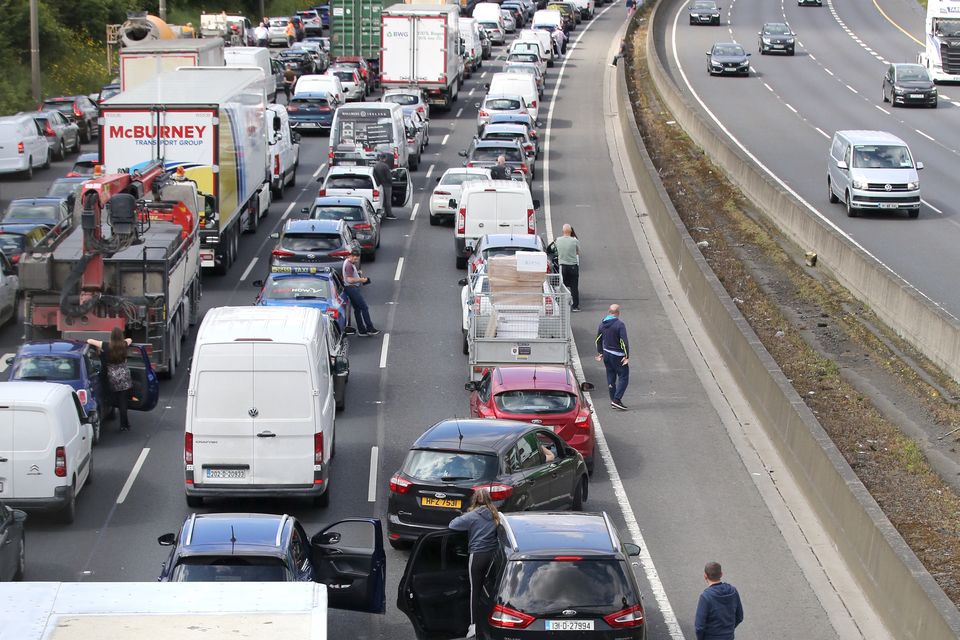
410, 99
320, 59
62, 134
494, 31
509, 24
499, 103
415, 141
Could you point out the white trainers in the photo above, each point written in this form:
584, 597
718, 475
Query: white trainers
471, 632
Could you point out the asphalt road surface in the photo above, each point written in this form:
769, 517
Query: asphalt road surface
680, 474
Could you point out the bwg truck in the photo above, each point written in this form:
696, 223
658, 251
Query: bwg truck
143, 61
421, 47
941, 55
210, 123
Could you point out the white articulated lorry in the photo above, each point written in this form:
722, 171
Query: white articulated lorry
212, 124
941, 55
421, 47
143, 61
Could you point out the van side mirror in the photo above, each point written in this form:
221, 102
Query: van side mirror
257, 283
631, 549
476, 104
842, 165
462, 153
586, 386
304, 209
167, 540
536, 204
438, 179
919, 166
9, 360
470, 386
468, 250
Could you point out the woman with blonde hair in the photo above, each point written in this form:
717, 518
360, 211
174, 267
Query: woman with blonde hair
480, 522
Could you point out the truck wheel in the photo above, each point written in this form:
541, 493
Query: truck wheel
194, 502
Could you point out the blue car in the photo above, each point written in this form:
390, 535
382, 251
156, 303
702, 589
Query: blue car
79, 365
317, 287
313, 110
347, 556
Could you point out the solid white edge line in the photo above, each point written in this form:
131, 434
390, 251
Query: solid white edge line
133, 475
813, 210
396, 276
623, 501
383, 350
289, 209
413, 214
372, 484
445, 138
249, 268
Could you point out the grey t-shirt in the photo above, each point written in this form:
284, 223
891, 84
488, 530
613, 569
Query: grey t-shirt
567, 248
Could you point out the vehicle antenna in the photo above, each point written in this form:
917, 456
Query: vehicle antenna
233, 540
460, 443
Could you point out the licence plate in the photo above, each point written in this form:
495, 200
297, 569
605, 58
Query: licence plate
351, 163
778, 46
916, 95
888, 205
569, 625
443, 503
226, 474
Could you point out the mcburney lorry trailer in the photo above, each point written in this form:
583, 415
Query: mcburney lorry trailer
212, 124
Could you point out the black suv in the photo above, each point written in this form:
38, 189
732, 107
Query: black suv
552, 572
312, 241
524, 467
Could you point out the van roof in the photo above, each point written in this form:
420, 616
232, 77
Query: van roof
31, 394
862, 136
268, 324
497, 185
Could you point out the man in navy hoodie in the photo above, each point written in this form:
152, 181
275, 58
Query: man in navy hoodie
719, 610
613, 349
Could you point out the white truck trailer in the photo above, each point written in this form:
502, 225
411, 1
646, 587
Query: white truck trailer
212, 124
941, 55
142, 61
421, 47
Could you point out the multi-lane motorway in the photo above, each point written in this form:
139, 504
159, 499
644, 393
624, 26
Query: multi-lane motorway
785, 114
681, 471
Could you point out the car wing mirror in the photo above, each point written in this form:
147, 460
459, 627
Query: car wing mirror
586, 386
749, 54
842, 165
438, 179
462, 153
167, 540
462, 282
304, 209
275, 235
257, 283
470, 386
468, 250
476, 104
536, 204
631, 549
327, 537
9, 360
708, 53
452, 203
919, 166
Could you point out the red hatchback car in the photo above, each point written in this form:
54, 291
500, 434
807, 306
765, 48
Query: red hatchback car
547, 395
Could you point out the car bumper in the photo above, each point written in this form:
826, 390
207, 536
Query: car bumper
261, 491
311, 124
60, 499
899, 202
700, 19
916, 98
441, 211
397, 529
11, 165
777, 48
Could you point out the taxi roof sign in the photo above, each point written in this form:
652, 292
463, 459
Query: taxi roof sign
279, 268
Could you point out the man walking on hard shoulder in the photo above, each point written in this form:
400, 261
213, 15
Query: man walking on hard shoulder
613, 349
719, 610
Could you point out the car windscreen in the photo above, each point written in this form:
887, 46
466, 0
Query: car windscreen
107, 93
345, 76
367, 127
46, 367
703, 5
230, 569
24, 212
728, 50
404, 99
881, 156
460, 178
350, 213
279, 22
12, 244
912, 74
349, 182
502, 104
297, 288
311, 241
947, 27
60, 189
548, 586
502, 135
490, 154
424, 464
535, 401
776, 29
83, 167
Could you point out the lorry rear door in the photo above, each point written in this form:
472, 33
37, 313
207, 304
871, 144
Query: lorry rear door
348, 557
396, 58
431, 49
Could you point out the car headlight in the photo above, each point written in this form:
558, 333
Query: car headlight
913, 186
716, 15
745, 63
694, 15
766, 40
790, 40
899, 91
859, 184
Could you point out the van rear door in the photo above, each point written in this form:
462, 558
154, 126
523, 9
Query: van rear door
513, 213
481, 215
34, 456
6, 453
222, 427
284, 414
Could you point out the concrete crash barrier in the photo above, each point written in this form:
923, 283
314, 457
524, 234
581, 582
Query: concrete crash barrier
904, 594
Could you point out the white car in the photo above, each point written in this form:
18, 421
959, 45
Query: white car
9, 290
448, 188
353, 181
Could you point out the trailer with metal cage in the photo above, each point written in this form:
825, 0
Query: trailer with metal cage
518, 315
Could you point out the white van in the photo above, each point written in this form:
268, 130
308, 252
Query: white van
45, 447
488, 11
541, 36
283, 145
873, 170
492, 206
548, 18
22, 146
514, 83
470, 33
260, 406
314, 83
253, 57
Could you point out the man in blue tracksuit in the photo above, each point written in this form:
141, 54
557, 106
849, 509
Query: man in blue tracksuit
613, 349
719, 610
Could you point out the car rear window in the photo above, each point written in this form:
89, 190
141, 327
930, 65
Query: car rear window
279, 22
460, 178
535, 401
31, 212
490, 154
311, 102
48, 367
502, 104
502, 135
490, 25
349, 182
345, 76
339, 212
404, 99
311, 241
297, 288
426, 464
230, 569
547, 586
61, 189
12, 243
523, 57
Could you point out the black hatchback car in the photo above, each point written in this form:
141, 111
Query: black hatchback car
704, 12
299, 60
905, 84
523, 466
552, 572
728, 59
776, 37
79, 109
313, 241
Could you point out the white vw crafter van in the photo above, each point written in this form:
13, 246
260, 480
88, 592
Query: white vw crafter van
260, 406
45, 447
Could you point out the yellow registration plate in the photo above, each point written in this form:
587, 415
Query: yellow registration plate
445, 503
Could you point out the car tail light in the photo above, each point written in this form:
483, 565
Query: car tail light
322, 192
15, 258
76, 111
528, 147
323, 109
421, 109
281, 253
60, 464
497, 491
276, 165
534, 105
292, 108
343, 253
411, 139
318, 448
330, 154
188, 448
506, 618
20, 148
524, 168
376, 193
533, 134
626, 618
399, 484
568, 559
531, 221
441, 193
363, 226
469, 165
82, 396
333, 313
462, 220
49, 131
583, 419
483, 113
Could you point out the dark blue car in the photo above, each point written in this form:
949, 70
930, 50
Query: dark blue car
79, 365
317, 287
312, 110
347, 555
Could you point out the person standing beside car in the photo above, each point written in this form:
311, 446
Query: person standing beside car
353, 279
568, 255
480, 522
118, 371
291, 33
262, 34
381, 171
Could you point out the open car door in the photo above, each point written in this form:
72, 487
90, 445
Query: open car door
348, 557
435, 589
402, 187
146, 386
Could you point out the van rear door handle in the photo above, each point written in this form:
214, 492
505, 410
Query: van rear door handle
3, 460
266, 434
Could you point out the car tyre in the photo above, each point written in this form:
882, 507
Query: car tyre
580, 495
399, 545
85, 136
61, 151
792, 52
883, 94
371, 256
914, 213
21, 561
323, 500
466, 344
851, 210
592, 462
96, 424
414, 162
46, 164
434, 221
194, 502
461, 262
76, 144
28, 172
831, 196
934, 105
69, 512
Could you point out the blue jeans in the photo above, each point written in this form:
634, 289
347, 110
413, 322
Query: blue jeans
618, 375
360, 309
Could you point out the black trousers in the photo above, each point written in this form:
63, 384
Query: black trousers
477, 566
120, 400
571, 278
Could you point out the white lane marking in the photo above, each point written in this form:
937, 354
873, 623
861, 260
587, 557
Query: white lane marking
956, 104
289, 209
3, 361
789, 106
470, 93
445, 138
396, 276
828, 71
928, 137
133, 475
459, 111
882, 109
372, 484
809, 55
813, 210
319, 169
823, 133
249, 268
413, 214
383, 350
931, 206
483, 75
852, 89
430, 171
623, 501
768, 87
